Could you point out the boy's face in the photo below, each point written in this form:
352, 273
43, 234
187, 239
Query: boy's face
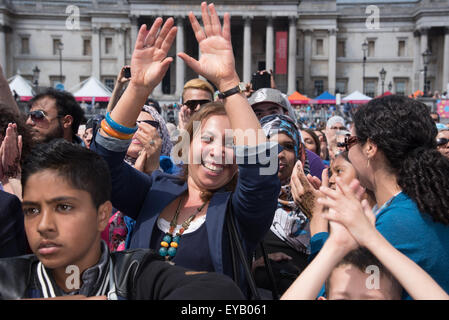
347, 282
63, 226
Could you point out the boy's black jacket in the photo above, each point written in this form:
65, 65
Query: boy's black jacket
139, 274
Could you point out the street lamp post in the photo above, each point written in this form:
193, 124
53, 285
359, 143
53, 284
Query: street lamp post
426, 57
364, 49
60, 48
383, 73
36, 72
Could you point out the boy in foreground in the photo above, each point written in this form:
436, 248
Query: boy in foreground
66, 205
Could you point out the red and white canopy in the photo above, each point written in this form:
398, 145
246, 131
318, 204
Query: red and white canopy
357, 98
21, 86
91, 89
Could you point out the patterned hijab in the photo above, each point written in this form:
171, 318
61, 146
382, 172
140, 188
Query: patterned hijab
163, 131
277, 123
290, 224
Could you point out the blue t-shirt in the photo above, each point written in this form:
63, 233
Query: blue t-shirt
414, 234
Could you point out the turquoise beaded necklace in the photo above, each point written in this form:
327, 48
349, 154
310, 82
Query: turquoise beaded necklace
170, 243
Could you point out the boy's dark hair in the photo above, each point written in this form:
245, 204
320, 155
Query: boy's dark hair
80, 167
66, 105
361, 258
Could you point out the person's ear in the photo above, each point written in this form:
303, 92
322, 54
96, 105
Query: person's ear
370, 149
103, 215
67, 121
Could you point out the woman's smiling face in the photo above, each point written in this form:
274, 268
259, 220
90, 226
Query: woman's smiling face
211, 157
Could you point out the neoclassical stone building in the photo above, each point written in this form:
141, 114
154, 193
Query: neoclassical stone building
317, 42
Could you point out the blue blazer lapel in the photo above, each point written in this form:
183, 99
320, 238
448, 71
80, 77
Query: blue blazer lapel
157, 199
215, 219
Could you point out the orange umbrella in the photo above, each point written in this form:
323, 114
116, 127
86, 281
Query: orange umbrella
418, 93
297, 98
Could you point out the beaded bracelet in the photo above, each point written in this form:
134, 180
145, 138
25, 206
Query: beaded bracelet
113, 133
118, 127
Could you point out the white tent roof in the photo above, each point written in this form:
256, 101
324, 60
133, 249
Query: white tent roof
356, 96
91, 87
20, 85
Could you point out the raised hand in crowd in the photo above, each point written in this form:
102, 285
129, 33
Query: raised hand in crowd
149, 63
120, 82
148, 159
217, 64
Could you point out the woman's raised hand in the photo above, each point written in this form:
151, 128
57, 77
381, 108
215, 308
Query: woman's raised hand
217, 62
149, 61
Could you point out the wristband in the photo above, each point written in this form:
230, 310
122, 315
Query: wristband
241, 87
113, 133
118, 127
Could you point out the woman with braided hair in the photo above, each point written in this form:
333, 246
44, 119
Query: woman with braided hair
393, 150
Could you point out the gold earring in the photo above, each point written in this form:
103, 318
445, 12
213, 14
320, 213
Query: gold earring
367, 164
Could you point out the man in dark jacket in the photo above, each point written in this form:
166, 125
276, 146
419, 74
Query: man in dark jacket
66, 206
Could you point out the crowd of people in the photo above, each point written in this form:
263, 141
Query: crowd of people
140, 208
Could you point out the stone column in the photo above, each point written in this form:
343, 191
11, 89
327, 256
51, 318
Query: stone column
199, 18
96, 52
121, 53
445, 84
247, 50
269, 45
134, 30
291, 87
180, 66
307, 62
417, 57
423, 46
3, 49
332, 62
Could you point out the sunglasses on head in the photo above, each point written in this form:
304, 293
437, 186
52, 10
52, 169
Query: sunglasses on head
150, 122
191, 104
442, 142
349, 142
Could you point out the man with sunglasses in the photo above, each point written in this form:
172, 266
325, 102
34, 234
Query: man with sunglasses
54, 114
196, 92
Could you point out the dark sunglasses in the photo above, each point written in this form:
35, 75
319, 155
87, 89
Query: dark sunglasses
349, 142
150, 122
191, 104
442, 141
36, 115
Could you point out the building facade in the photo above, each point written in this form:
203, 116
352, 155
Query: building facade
317, 43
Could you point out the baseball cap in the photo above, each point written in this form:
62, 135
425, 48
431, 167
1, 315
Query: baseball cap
268, 95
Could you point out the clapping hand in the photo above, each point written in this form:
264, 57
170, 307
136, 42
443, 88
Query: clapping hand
10, 153
348, 208
304, 192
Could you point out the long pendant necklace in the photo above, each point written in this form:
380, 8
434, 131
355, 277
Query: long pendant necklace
170, 243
